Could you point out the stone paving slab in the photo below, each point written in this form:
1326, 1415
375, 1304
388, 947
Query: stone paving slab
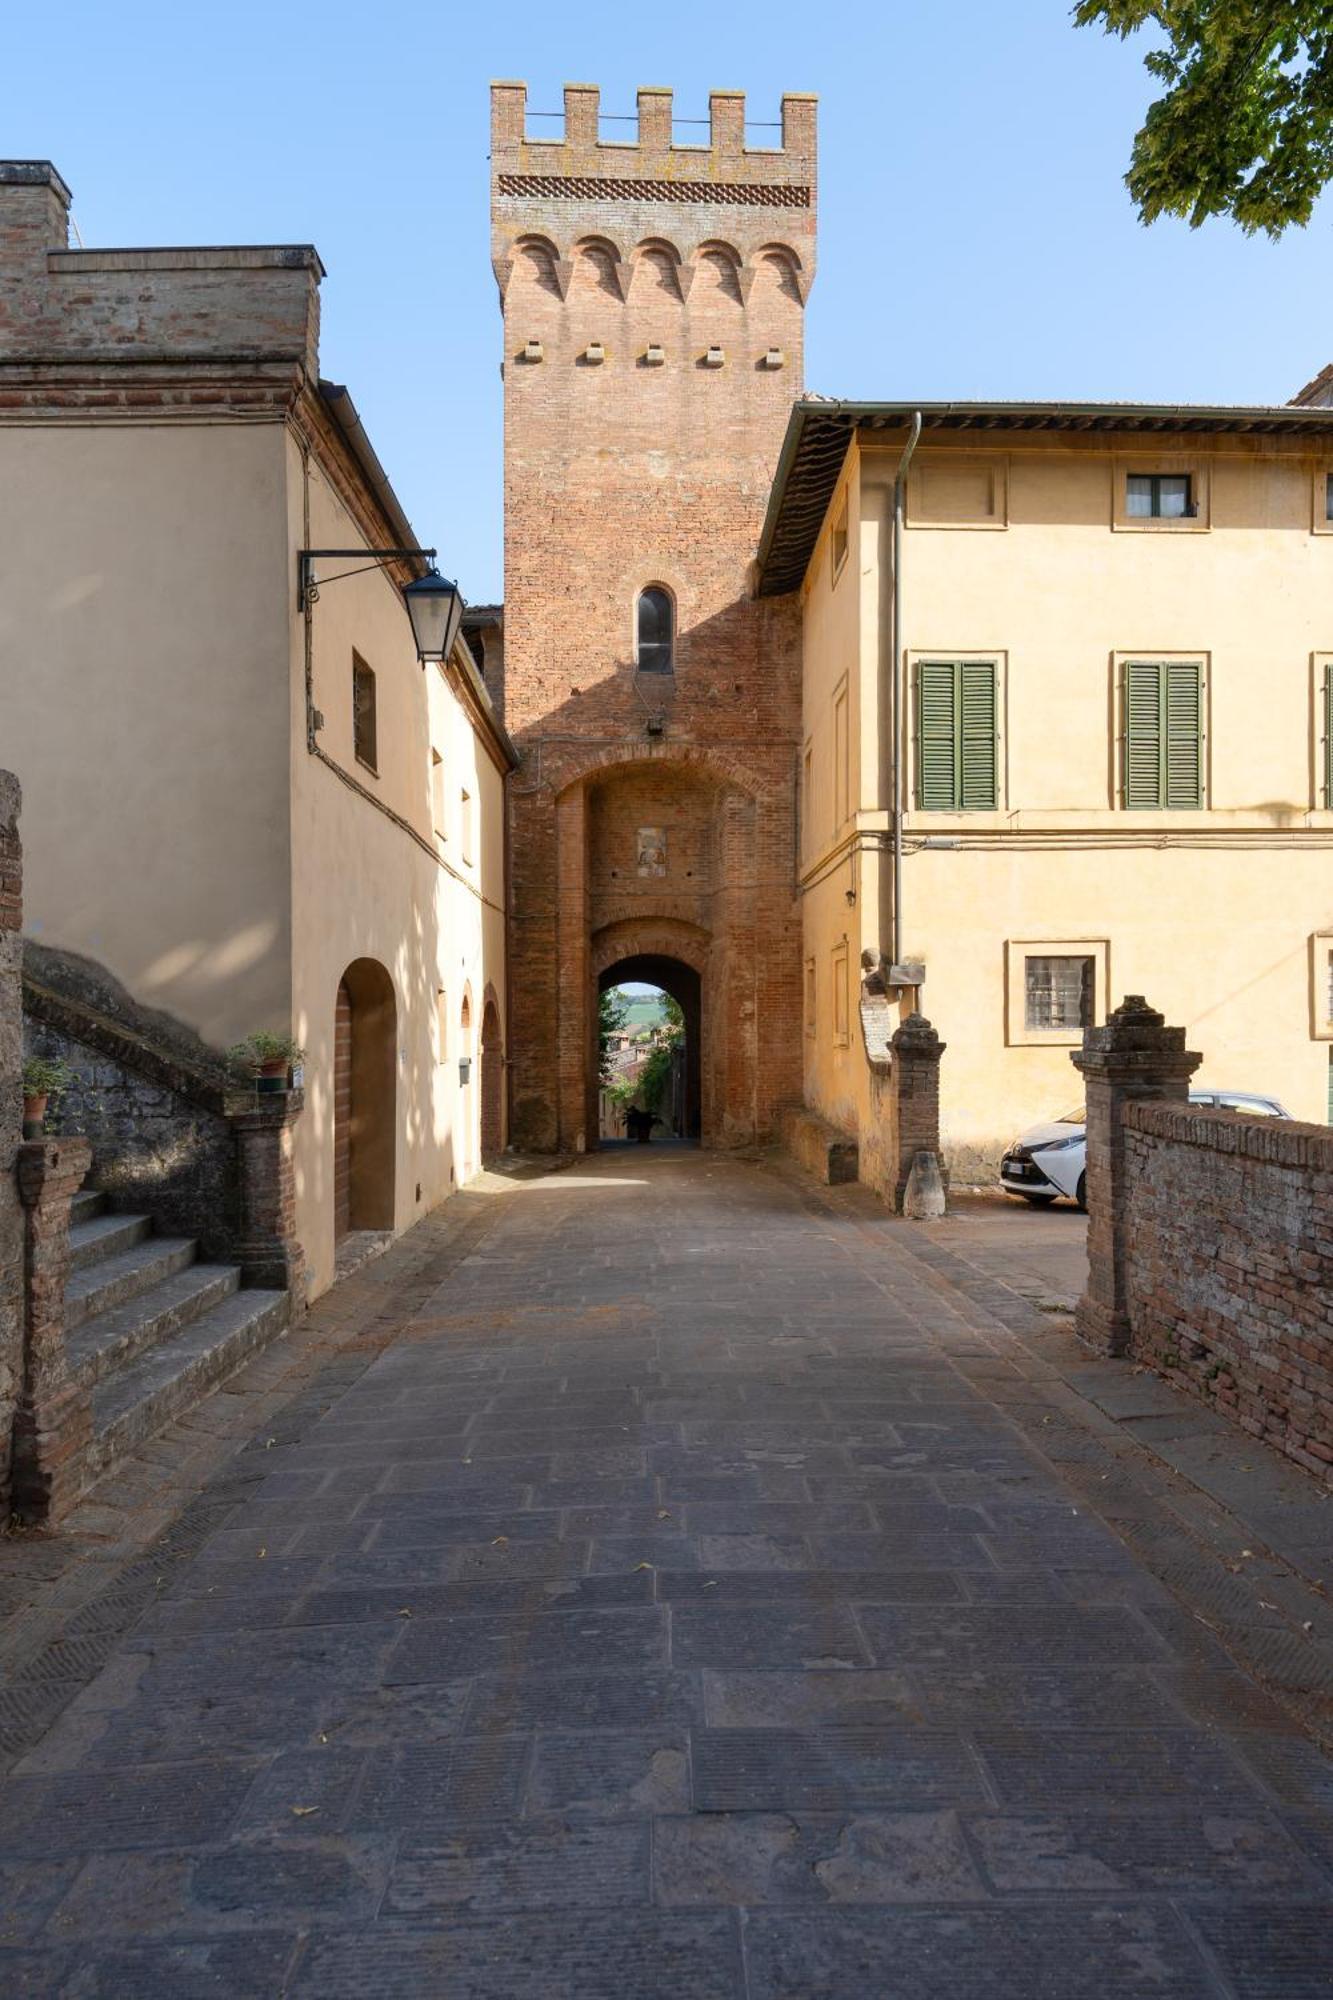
701, 1588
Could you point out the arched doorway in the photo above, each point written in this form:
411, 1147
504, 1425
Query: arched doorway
680, 1107
466, 1143
492, 1080
365, 1125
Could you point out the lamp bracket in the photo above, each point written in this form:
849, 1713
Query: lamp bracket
307, 590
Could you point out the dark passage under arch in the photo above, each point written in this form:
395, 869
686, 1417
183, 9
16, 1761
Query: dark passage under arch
684, 985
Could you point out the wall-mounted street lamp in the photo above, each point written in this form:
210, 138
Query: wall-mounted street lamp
434, 605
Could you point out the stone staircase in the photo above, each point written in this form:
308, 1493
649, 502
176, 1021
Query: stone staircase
149, 1329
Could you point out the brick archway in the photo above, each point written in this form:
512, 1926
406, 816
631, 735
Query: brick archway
492, 1079
675, 956
365, 1133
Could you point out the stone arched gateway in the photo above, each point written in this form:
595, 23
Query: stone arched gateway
681, 843
674, 956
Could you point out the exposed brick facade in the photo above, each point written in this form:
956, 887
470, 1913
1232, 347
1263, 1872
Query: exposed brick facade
11, 1113
1210, 1240
620, 472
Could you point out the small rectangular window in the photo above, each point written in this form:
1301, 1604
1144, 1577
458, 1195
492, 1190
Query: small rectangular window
809, 996
839, 541
1159, 496
957, 761
1327, 720
1058, 993
840, 995
465, 826
441, 1026
439, 807
1328, 496
1163, 725
363, 714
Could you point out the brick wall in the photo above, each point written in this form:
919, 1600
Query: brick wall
624, 471
11, 1113
1228, 1247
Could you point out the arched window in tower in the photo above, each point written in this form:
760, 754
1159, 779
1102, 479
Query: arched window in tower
655, 647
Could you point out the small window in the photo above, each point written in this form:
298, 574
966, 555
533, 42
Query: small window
840, 1034
441, 1025
1326, 747
1058, 994
809, 996
439, 808
363, 714
465, 826
1328, 496
839, 541
1159, 496
655, 637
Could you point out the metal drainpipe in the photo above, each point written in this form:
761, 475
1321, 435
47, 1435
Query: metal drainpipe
896, 682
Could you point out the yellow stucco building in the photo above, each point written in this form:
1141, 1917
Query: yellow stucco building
248, 802
1101, 693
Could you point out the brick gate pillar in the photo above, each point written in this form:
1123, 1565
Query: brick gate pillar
1134, 1056
53, 1421
267, 1250
915, 1078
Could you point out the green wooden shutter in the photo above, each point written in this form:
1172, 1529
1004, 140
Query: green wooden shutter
1328, 742
976, 754
1143, 735
1183, 760
937, 735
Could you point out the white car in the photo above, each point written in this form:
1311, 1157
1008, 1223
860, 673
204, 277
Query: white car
1051, 1159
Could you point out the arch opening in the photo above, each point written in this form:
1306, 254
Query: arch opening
653, 1070
492, 1081
365, 1125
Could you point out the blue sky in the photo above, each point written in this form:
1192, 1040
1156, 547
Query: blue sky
975, 235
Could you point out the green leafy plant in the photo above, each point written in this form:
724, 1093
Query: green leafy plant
260, 1048
46, 1076
1245, 127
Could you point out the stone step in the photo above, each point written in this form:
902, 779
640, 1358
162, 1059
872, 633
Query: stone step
90, 1242
141, 1398
87, 1203
110, 1339
129, 1273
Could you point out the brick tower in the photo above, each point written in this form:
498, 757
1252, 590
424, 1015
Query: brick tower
653, 298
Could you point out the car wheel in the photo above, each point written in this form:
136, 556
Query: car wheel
1081, 1193
1039, 1200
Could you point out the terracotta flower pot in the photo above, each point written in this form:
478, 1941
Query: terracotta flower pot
34, 1115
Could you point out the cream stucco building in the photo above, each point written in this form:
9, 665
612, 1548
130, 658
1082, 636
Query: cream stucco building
1107, 676
254, 812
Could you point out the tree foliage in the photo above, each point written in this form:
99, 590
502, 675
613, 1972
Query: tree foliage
1245, 127
612, 1014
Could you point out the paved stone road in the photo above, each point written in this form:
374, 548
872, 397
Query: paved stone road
678, 1607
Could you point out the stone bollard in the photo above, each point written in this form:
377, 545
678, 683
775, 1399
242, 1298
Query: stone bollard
916, 1099
53, 1421
1134, 1056
924, 1200
267, 1250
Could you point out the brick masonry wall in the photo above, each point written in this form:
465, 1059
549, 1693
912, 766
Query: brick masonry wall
1229, 1267
622, 472
11, 1113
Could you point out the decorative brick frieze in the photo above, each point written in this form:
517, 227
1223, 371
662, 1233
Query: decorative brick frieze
53, 1414
1134, 1056
267, 1249
587, 187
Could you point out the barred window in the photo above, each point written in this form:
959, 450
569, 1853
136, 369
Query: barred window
363, 714
1059, 992
655, 635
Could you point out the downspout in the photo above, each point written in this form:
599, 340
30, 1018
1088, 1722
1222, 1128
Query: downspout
896, 683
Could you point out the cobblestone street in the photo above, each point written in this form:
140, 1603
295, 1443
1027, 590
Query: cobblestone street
711, 1589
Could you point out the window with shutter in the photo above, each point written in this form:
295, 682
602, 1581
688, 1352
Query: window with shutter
1163, 735
956, 718
1328, 735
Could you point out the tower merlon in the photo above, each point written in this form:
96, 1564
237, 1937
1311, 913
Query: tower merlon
580, 151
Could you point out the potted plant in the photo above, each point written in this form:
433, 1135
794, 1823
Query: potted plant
44, 1077
268, 1059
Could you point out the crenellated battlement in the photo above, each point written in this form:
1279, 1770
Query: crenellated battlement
780, 176
562, 200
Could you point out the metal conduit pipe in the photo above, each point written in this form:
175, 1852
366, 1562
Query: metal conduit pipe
897, 692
